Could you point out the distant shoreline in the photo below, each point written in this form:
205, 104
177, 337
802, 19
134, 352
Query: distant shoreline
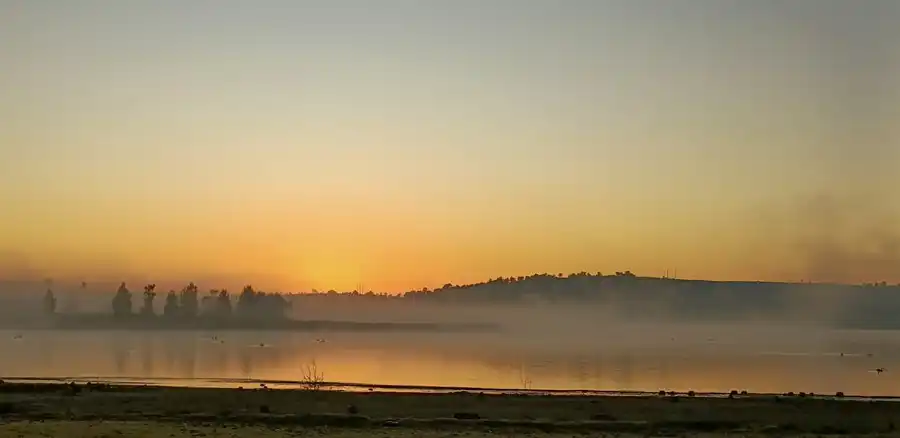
234, 383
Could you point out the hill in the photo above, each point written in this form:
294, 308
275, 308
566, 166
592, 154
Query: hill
875, 306
627, 295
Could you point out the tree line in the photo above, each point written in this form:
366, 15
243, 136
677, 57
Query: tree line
864, 305
188, 303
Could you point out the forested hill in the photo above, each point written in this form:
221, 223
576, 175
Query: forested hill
857, 306
870, 305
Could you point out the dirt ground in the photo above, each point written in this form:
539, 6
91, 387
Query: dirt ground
166, 430
32, 409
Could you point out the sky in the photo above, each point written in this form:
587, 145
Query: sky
401, 144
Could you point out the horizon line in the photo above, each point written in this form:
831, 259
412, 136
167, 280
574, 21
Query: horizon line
49, 282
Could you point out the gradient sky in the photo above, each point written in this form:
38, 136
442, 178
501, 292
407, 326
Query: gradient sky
409, 143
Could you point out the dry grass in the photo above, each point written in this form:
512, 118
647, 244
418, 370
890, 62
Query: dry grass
311, 378
65, 429
433, 414
138, 429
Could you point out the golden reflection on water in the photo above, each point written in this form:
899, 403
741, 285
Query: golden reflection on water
415, 361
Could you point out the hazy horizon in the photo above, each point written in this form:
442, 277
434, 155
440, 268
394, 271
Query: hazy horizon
400, 144
107, 286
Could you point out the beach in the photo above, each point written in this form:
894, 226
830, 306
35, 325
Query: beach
56, 409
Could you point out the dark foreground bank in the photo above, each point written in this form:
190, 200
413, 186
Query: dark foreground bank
96, 407
145, 429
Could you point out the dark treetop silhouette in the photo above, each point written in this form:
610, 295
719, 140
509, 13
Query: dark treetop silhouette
185, 305
253, 310
870, 305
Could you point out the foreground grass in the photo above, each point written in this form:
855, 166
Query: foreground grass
61, 410
165, 430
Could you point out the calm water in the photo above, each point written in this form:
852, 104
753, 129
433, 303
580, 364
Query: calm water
774, 361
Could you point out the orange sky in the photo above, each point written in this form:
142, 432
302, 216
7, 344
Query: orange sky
406, 145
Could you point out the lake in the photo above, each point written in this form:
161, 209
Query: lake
705, 359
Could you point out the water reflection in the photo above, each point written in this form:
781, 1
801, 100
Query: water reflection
403, 360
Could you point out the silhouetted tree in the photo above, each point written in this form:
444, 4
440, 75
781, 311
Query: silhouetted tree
271, 305
49, 303
149, 295
223, 304
246, 302
252, 304
189, 301
171, 307
121, 303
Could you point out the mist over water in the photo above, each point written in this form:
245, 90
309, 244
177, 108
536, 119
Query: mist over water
540, 347
636, 334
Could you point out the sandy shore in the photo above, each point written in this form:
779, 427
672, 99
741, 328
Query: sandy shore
38, 409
